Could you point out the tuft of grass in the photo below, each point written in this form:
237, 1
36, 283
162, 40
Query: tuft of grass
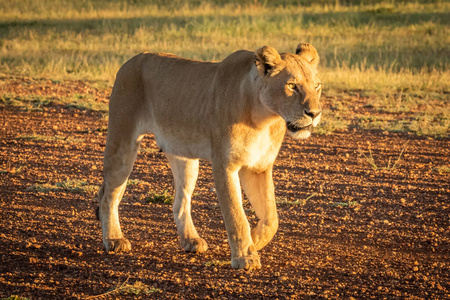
164, 198
442, 169
331, 122
38, 102
285, 201
135, 182
390, 165
85, 102
216, 263
345, 204
137, 288
9, 169
15, 297
370, 160
68, 186
28, 103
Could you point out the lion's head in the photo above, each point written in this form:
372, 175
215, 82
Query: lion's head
291, 87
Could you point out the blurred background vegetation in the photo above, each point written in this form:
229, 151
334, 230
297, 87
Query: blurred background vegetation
394, 55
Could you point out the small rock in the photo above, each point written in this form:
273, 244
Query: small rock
33, 260
32, 246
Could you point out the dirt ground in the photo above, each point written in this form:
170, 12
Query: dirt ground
346, 231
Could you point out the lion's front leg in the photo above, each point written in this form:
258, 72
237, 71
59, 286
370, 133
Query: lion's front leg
185, 172
243, 251
260, 191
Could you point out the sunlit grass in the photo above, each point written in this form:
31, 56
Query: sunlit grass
93, 43
379, 50
33, 102
392, 164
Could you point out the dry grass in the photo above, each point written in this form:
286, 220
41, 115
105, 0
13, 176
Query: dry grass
382, 49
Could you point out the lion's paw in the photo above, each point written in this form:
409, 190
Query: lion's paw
198, 245
117, 245
250, 262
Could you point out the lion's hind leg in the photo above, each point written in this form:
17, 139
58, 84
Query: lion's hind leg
185, 172
122, 146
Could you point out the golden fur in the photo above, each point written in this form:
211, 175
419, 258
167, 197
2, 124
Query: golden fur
233, 113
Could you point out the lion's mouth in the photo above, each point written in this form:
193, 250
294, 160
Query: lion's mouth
293, 128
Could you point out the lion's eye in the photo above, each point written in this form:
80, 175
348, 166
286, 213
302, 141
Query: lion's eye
318, 86
292, 86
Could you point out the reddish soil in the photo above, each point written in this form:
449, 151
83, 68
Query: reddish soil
346, 231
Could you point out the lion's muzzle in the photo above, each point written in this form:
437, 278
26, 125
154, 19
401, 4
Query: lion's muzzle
301, 128
294, 128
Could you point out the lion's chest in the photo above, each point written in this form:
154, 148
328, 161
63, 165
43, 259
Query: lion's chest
257, 150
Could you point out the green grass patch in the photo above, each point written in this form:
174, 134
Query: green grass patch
27, 103
164, 198
345, 204
85, 102
68, 186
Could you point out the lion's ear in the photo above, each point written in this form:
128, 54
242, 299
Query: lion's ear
308, 52
268, 61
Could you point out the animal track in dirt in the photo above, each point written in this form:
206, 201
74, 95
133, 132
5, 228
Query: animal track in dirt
346, 230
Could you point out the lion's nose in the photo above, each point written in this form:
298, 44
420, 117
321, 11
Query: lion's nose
313, 112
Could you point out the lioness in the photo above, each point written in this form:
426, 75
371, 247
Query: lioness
233, 113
